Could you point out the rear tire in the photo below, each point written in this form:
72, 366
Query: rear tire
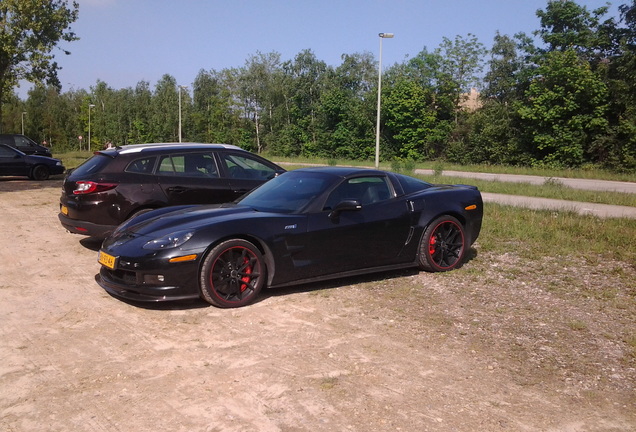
233, 274
443, 245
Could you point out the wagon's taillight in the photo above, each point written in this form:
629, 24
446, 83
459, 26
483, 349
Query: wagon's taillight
86, 187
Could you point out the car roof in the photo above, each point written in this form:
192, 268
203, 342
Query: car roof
137, 148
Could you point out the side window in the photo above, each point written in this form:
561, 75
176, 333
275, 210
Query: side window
6, 153
141, 166
200, 165
188, 165
166, 166
365, 190
22, 142
245, 167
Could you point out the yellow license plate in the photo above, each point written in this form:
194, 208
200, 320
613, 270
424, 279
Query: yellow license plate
107, 260
64, 210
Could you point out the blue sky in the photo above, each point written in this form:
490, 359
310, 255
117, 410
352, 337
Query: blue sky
126, 41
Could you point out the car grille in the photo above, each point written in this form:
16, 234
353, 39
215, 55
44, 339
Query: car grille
121, 277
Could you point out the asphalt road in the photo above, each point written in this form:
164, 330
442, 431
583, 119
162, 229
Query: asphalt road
599, 210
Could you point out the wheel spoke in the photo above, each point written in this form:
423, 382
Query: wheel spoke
446, 245
235, 274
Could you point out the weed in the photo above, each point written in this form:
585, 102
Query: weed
552, 182
328, 383
438, 168
631, 346
409, 166
577, 325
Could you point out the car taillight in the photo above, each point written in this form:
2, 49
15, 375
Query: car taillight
86, 187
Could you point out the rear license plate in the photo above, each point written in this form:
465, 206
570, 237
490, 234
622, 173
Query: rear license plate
64, 210
107, 260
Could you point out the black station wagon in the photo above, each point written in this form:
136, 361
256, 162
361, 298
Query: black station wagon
25, 144
117, 183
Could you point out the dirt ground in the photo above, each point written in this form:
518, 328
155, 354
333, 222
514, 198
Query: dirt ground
500, 345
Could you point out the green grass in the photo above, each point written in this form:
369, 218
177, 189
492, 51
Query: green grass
73, 159
533, 233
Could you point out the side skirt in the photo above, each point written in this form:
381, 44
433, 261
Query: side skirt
350, 273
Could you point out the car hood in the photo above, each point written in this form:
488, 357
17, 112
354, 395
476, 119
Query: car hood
42, 159
188, 218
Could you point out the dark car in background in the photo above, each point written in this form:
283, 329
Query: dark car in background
115, 184
303, 226
15, 163
25, 144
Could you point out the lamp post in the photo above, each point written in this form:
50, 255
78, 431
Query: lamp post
180, 88
89, 125
377, 126
23, 114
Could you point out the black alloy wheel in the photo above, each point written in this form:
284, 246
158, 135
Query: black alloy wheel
233, 274
443, 245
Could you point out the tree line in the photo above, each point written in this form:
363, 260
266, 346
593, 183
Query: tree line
563, 98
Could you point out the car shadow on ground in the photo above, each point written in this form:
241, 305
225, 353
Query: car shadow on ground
294, 289
351, 280
91, 243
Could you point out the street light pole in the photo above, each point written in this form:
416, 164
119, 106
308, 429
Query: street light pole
23, 114
180, 88
89, 125
377, 126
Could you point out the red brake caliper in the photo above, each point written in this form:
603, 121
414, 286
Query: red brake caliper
431, 245
246, 278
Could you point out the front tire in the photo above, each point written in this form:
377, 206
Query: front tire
443, 245
40, 172
233, 274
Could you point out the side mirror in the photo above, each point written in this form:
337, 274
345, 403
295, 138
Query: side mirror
346, 205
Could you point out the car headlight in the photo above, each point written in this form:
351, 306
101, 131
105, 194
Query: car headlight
169, 241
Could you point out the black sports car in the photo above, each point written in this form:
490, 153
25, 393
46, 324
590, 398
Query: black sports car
302, 226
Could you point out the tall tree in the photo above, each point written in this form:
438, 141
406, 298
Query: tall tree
347, 109
566, 25
461, 63
164, 121
501, 80
29, 31
564, 110
306, 84
410, 121
257, 91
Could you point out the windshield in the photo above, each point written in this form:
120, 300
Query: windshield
290, 192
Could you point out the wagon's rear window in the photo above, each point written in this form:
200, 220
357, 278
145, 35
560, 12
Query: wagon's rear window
92, 165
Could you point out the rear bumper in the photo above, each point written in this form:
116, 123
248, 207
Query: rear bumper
85, 228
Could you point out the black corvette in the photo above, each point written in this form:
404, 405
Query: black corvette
302, 226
